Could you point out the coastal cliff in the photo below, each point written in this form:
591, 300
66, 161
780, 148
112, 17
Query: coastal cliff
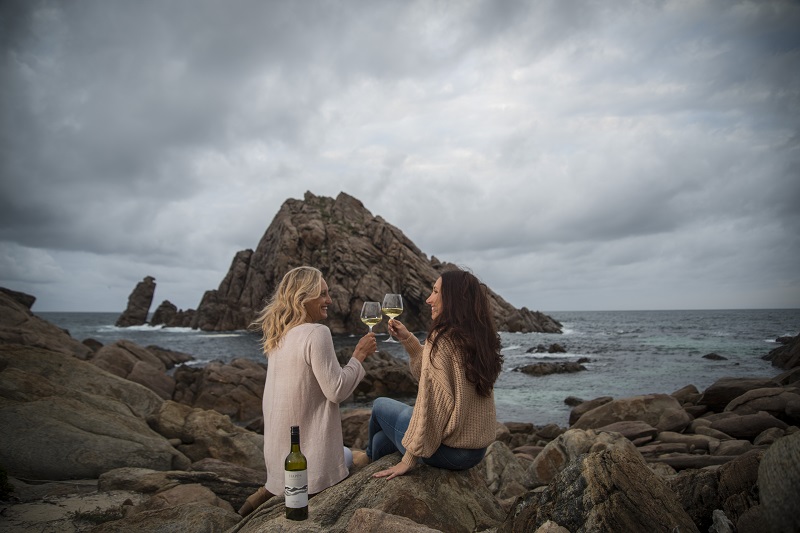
362, 258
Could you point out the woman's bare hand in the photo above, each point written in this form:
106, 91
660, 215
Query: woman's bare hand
367, 346
397, 470
398, 330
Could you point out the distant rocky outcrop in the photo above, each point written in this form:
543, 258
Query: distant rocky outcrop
552, 367
362, 258
786, 356
168, 314
138, 304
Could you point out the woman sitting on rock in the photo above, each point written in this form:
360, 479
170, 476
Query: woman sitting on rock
453, 419
304, 384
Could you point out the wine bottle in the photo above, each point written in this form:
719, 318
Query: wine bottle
295, 479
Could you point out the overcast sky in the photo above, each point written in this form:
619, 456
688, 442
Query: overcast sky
574, 155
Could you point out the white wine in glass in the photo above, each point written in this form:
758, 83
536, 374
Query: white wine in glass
371, 314
392, 305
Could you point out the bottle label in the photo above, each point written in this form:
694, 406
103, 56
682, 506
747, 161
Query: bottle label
296, 488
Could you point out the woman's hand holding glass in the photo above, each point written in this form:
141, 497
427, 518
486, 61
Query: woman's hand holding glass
398, 330
365, 347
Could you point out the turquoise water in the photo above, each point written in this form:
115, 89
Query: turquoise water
630, 352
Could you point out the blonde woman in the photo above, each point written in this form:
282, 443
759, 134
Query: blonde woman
304, 384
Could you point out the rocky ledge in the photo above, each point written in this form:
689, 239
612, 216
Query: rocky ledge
93, 441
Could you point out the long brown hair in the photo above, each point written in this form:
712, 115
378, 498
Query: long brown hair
465, 319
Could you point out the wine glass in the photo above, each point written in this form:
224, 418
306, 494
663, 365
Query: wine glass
392, 307
371, 314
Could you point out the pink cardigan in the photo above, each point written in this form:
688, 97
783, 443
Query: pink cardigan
304, 387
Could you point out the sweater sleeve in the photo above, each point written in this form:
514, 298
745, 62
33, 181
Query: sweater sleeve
414, 349
434, 405
336, 382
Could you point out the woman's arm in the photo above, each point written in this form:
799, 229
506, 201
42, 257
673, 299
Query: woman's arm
410, 343
337, 382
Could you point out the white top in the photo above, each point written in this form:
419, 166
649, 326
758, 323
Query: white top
304, 387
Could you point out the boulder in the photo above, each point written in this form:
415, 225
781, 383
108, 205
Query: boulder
773, 400
633, 430
181, 495
503, 474
609, 490
547, 368
779, 484
386, 375
688, 394
355, 427
567, 447
139, 303
135, 363
747, 426
443, 500
360, 255
697, 490
375, 521
194, 516
209, 434
786, 356
18, 325
738, 486
661, 411
693, 442
234, 389
584, 407
64, 418
167, 314
720, 393
230, 490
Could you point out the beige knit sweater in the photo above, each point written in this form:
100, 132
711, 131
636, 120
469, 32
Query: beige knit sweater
304, 387
448, 410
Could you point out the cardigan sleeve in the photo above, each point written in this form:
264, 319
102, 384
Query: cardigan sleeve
414, 349
337, 382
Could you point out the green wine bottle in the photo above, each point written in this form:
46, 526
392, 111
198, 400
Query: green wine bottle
295, 480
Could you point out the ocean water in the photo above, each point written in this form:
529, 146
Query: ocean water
629, 352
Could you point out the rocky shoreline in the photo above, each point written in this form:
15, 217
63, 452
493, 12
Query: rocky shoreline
128, 438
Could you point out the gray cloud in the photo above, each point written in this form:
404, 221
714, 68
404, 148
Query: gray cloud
626, 154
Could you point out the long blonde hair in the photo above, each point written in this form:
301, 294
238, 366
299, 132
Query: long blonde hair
286, 309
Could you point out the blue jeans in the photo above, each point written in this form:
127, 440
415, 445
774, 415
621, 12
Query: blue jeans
388, 425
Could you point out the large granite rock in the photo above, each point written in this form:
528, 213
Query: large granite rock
205, 434
610, 490
442, 500
661, 411
18, 325
135, 363
168, 314
139, 303
234, 389
786, 356
720, 393
362, 258
386, 375
64, 418
779, 484
568, 447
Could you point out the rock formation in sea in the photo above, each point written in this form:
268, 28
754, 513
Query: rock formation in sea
362, 258
139, 303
